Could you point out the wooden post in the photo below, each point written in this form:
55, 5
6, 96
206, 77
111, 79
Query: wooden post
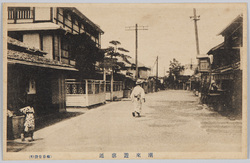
93, 86
61, 93
191, 85
111, 85
86, 88
136, 52
104, 79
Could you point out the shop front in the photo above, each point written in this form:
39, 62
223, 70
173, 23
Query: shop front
84, 93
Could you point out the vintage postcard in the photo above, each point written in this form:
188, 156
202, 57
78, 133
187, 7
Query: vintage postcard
124, 81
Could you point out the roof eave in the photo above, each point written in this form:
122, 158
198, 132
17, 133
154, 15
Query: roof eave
225, 29
75, 10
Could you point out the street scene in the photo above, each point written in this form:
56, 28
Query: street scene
125, 78
170, 122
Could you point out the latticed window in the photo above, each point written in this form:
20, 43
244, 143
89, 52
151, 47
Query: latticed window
68, 89
102, 87
81, 89
90, 91
108, 87
97, 88
74, 89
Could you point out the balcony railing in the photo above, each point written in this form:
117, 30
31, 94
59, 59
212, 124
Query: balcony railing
20, 14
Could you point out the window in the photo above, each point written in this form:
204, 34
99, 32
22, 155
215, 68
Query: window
108, 87
65, 47
67, 18
102, 87
97, 88
90, 87
60, 15
76, 25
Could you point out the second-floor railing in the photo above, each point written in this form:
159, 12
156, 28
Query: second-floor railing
20, 14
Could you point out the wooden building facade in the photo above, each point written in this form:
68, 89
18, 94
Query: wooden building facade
226, 68
55, 33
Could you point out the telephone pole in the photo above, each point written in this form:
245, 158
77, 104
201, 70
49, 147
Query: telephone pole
136, 28
196, 18
157, 67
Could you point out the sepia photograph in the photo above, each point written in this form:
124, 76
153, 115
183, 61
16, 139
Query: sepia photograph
85, 81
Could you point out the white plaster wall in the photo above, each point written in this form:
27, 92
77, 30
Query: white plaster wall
42, 13
48, 46
32, 40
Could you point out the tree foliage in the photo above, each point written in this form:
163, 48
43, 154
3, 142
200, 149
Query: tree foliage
112, 53
175, 68
86, 54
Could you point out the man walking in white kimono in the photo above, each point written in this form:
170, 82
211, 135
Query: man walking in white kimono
137, 96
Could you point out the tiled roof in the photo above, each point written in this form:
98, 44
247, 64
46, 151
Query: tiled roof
220, 46
223, 69
14, 54
233, 26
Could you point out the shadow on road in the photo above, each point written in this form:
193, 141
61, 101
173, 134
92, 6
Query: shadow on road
48, 120
13, 146
41, 122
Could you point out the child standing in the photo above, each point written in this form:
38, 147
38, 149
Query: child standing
29, 123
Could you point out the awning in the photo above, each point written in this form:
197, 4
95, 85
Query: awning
13, 61
33, 26
202, 56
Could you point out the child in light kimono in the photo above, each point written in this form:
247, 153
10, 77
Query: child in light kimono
29, 123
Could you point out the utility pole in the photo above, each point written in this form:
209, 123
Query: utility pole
191, 66
136, 28
157, 67
196, 18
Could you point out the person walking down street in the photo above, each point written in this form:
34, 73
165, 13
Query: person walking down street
29, 123
137, 96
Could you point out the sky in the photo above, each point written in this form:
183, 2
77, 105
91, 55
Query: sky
170, 31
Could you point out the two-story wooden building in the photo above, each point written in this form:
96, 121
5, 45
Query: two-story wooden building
42, 43
52, 29
226, 67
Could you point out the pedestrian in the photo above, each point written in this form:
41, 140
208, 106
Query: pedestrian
213, 87
29, 122
137, 96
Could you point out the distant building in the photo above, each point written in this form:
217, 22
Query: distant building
130, 70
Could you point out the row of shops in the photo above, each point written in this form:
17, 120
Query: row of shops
220, 71
218, 81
